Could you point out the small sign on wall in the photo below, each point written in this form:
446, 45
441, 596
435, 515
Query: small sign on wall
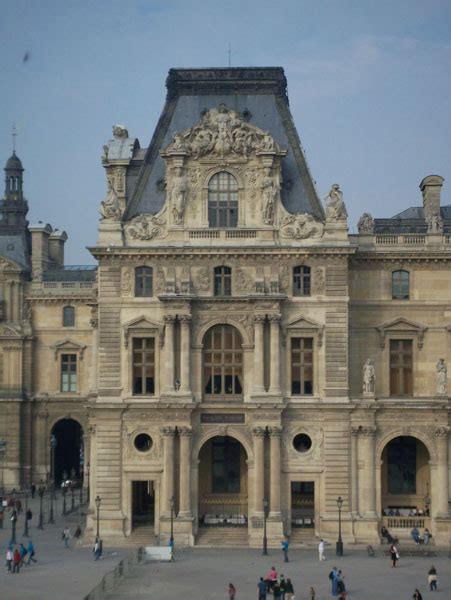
222, 418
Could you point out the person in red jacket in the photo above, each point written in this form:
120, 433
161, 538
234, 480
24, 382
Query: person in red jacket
16, 561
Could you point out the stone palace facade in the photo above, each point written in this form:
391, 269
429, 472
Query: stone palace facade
236, 351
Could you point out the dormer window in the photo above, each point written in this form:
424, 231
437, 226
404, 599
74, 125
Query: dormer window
223, 200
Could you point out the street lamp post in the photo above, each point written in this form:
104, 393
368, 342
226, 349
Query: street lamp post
13, 526
53, 445
88, 469
98, 501
72, 501
41, 490
265, 539
171, 537
64, 492
25, 529
339, 547
51, 514
2, 458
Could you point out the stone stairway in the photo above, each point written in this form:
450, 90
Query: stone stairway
233, 537
141, 536
303, 537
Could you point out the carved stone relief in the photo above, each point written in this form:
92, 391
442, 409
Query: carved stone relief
146, 227
126, 281
318, 280
301, 227
243, 282
201, 279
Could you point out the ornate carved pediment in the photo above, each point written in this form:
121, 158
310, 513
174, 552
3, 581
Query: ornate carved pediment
402, 326
8, 332
301, 227
303, 326
222, 132
68, 345
8, 265
141, 325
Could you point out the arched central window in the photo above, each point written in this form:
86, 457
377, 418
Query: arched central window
223, 200
223, 361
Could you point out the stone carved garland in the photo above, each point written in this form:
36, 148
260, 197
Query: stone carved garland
301, 227
146, 227
222, 132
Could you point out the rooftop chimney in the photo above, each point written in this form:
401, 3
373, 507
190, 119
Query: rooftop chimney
431, 187
57, 240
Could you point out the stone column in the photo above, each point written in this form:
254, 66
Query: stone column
169, 321
185, 472
259, 470
185, 345
168, 434
258, 355
10, 301
275, 354
367, 485
354, 472
93, 381
275, 467
441, 487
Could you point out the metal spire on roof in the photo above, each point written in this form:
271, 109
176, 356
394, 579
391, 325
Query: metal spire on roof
14, 135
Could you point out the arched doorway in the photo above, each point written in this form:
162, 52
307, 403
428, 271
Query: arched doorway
223, 483
406, 479
68, 452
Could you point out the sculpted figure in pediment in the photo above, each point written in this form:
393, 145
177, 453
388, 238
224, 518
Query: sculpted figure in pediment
301, 227
222, 132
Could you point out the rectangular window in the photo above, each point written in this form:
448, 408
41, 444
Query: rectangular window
69, 372
401, 358
226, 456
143, 366
302, 366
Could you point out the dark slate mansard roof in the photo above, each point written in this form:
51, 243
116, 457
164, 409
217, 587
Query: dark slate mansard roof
260, 94
411, 220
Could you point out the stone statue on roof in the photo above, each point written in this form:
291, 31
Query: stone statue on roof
109, 208
366, 223
335, 207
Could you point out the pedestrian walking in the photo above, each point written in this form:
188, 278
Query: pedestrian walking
312, 593
289, 589
97, 549
285, 544
77, 535
29, 516
16, 561
33, 490
417, 595
31, 553
394, 555
321, 548
261, 589
432, 578
276, 591
232, 592
271, 578
65, 536
340, 582
23, 552
9, 559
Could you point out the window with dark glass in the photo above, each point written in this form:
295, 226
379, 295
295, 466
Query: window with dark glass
143, 366
69, 372
301, 281
223, 200
68, 316
225, 465
143, 282
223, 361
402, 465
400, 285
401, 368
223, 281
302, 366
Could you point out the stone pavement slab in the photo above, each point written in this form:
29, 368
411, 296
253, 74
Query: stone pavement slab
63, 574
203, 574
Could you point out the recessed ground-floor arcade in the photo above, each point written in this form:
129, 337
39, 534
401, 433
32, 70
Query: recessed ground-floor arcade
200, 472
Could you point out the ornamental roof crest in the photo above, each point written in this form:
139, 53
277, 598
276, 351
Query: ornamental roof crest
222, 132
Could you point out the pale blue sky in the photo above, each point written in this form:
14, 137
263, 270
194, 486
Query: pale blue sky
369, 84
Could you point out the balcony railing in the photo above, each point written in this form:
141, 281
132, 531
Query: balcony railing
223, 515
406, 522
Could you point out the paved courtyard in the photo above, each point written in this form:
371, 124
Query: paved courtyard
202, 574
59, 574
